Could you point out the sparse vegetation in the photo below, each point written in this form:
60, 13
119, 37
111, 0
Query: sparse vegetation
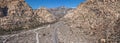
95, 21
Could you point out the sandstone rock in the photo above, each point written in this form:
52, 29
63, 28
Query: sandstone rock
16, 7
45, 15
96, 19
91, 22
19, 16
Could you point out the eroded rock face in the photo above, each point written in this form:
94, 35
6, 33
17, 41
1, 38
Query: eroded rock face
91, 22
16, 13
97, 20
45, 15
16, 7
19, 15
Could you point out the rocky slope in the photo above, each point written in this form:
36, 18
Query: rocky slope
94, 21
45, 15
15, 7
97, 19
19, 15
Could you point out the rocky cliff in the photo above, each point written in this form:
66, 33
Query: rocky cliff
97, 19
94, 21
17, 15
45, 15
15, 7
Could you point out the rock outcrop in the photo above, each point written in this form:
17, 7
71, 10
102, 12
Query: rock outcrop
94, 21
16, 8
97, 20
19, 15
16, 13
43, 13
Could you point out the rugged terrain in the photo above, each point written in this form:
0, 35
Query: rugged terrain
59, 12
94, 21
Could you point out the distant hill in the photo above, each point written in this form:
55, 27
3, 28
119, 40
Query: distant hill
59, 12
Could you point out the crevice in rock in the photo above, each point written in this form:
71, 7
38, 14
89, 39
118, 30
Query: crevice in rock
5, 9
44, 34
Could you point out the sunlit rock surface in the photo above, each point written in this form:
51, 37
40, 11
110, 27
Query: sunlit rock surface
94, 21
19, 15
45, 15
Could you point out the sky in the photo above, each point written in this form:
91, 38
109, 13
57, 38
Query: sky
35, 4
